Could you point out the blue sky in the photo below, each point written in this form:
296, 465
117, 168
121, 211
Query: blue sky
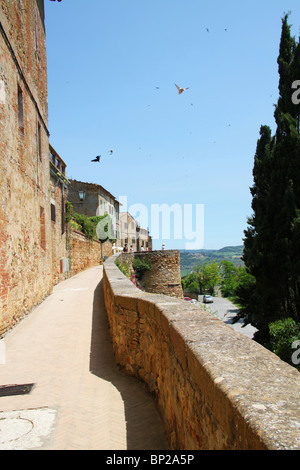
112, 69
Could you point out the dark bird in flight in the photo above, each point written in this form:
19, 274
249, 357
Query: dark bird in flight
97, 159
180, 90
207, 30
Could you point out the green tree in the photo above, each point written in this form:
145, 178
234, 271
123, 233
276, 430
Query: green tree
210, 276
271, 244
204, 278
229, 274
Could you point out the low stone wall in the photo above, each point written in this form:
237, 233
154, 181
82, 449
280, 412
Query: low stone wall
215, 388
84, 253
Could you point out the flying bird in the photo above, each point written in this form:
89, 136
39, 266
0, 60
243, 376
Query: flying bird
180, 90
111, 152
97, 159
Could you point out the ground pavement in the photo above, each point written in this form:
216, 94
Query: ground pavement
76, 398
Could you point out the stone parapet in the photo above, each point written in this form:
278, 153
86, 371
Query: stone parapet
215, 388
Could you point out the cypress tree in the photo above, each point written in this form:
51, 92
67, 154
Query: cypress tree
271, 244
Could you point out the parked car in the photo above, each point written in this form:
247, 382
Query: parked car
193, 301
207, 299
188, 299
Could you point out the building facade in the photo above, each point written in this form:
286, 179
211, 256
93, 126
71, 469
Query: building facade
58, 199
92, 200
135, 237
26, 233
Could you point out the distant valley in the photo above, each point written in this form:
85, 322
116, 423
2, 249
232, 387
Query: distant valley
189, 258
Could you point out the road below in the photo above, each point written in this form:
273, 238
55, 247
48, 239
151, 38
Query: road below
227, 311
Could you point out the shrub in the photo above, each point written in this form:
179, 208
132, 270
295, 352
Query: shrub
282, 335
87, 226
122, 267
140, 266
194, 288
107, 228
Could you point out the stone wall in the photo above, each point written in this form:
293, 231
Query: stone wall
164, 277
84, 253
25, 226
215, 388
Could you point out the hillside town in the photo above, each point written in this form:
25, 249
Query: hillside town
100, 349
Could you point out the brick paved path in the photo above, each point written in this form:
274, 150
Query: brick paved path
80, 399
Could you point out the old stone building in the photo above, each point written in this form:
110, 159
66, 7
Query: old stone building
91, 200
25, 230
58, 198
29, 202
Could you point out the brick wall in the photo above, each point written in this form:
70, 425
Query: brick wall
216, 389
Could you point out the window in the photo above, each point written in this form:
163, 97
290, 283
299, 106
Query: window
53, 215
20, 110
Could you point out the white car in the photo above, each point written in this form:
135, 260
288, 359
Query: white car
207, 299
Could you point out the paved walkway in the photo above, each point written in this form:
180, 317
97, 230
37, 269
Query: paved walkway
80, 400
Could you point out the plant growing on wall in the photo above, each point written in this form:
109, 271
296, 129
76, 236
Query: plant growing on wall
140, 266
122, 267
86, 225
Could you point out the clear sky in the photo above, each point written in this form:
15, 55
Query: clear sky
112, 69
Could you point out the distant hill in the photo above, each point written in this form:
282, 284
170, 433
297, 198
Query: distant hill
191, 258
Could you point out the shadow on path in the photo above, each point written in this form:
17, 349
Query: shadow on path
144, 425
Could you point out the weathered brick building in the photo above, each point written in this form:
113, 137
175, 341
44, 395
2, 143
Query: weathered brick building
26, 235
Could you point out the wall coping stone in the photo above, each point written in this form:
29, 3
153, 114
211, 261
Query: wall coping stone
252, 383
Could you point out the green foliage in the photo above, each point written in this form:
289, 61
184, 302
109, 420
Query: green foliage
194, 288
106, 228
140, 266
271, 245
87, 225
283, 333
204, 278
229, 278
69, 211
123, 267
209, 277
